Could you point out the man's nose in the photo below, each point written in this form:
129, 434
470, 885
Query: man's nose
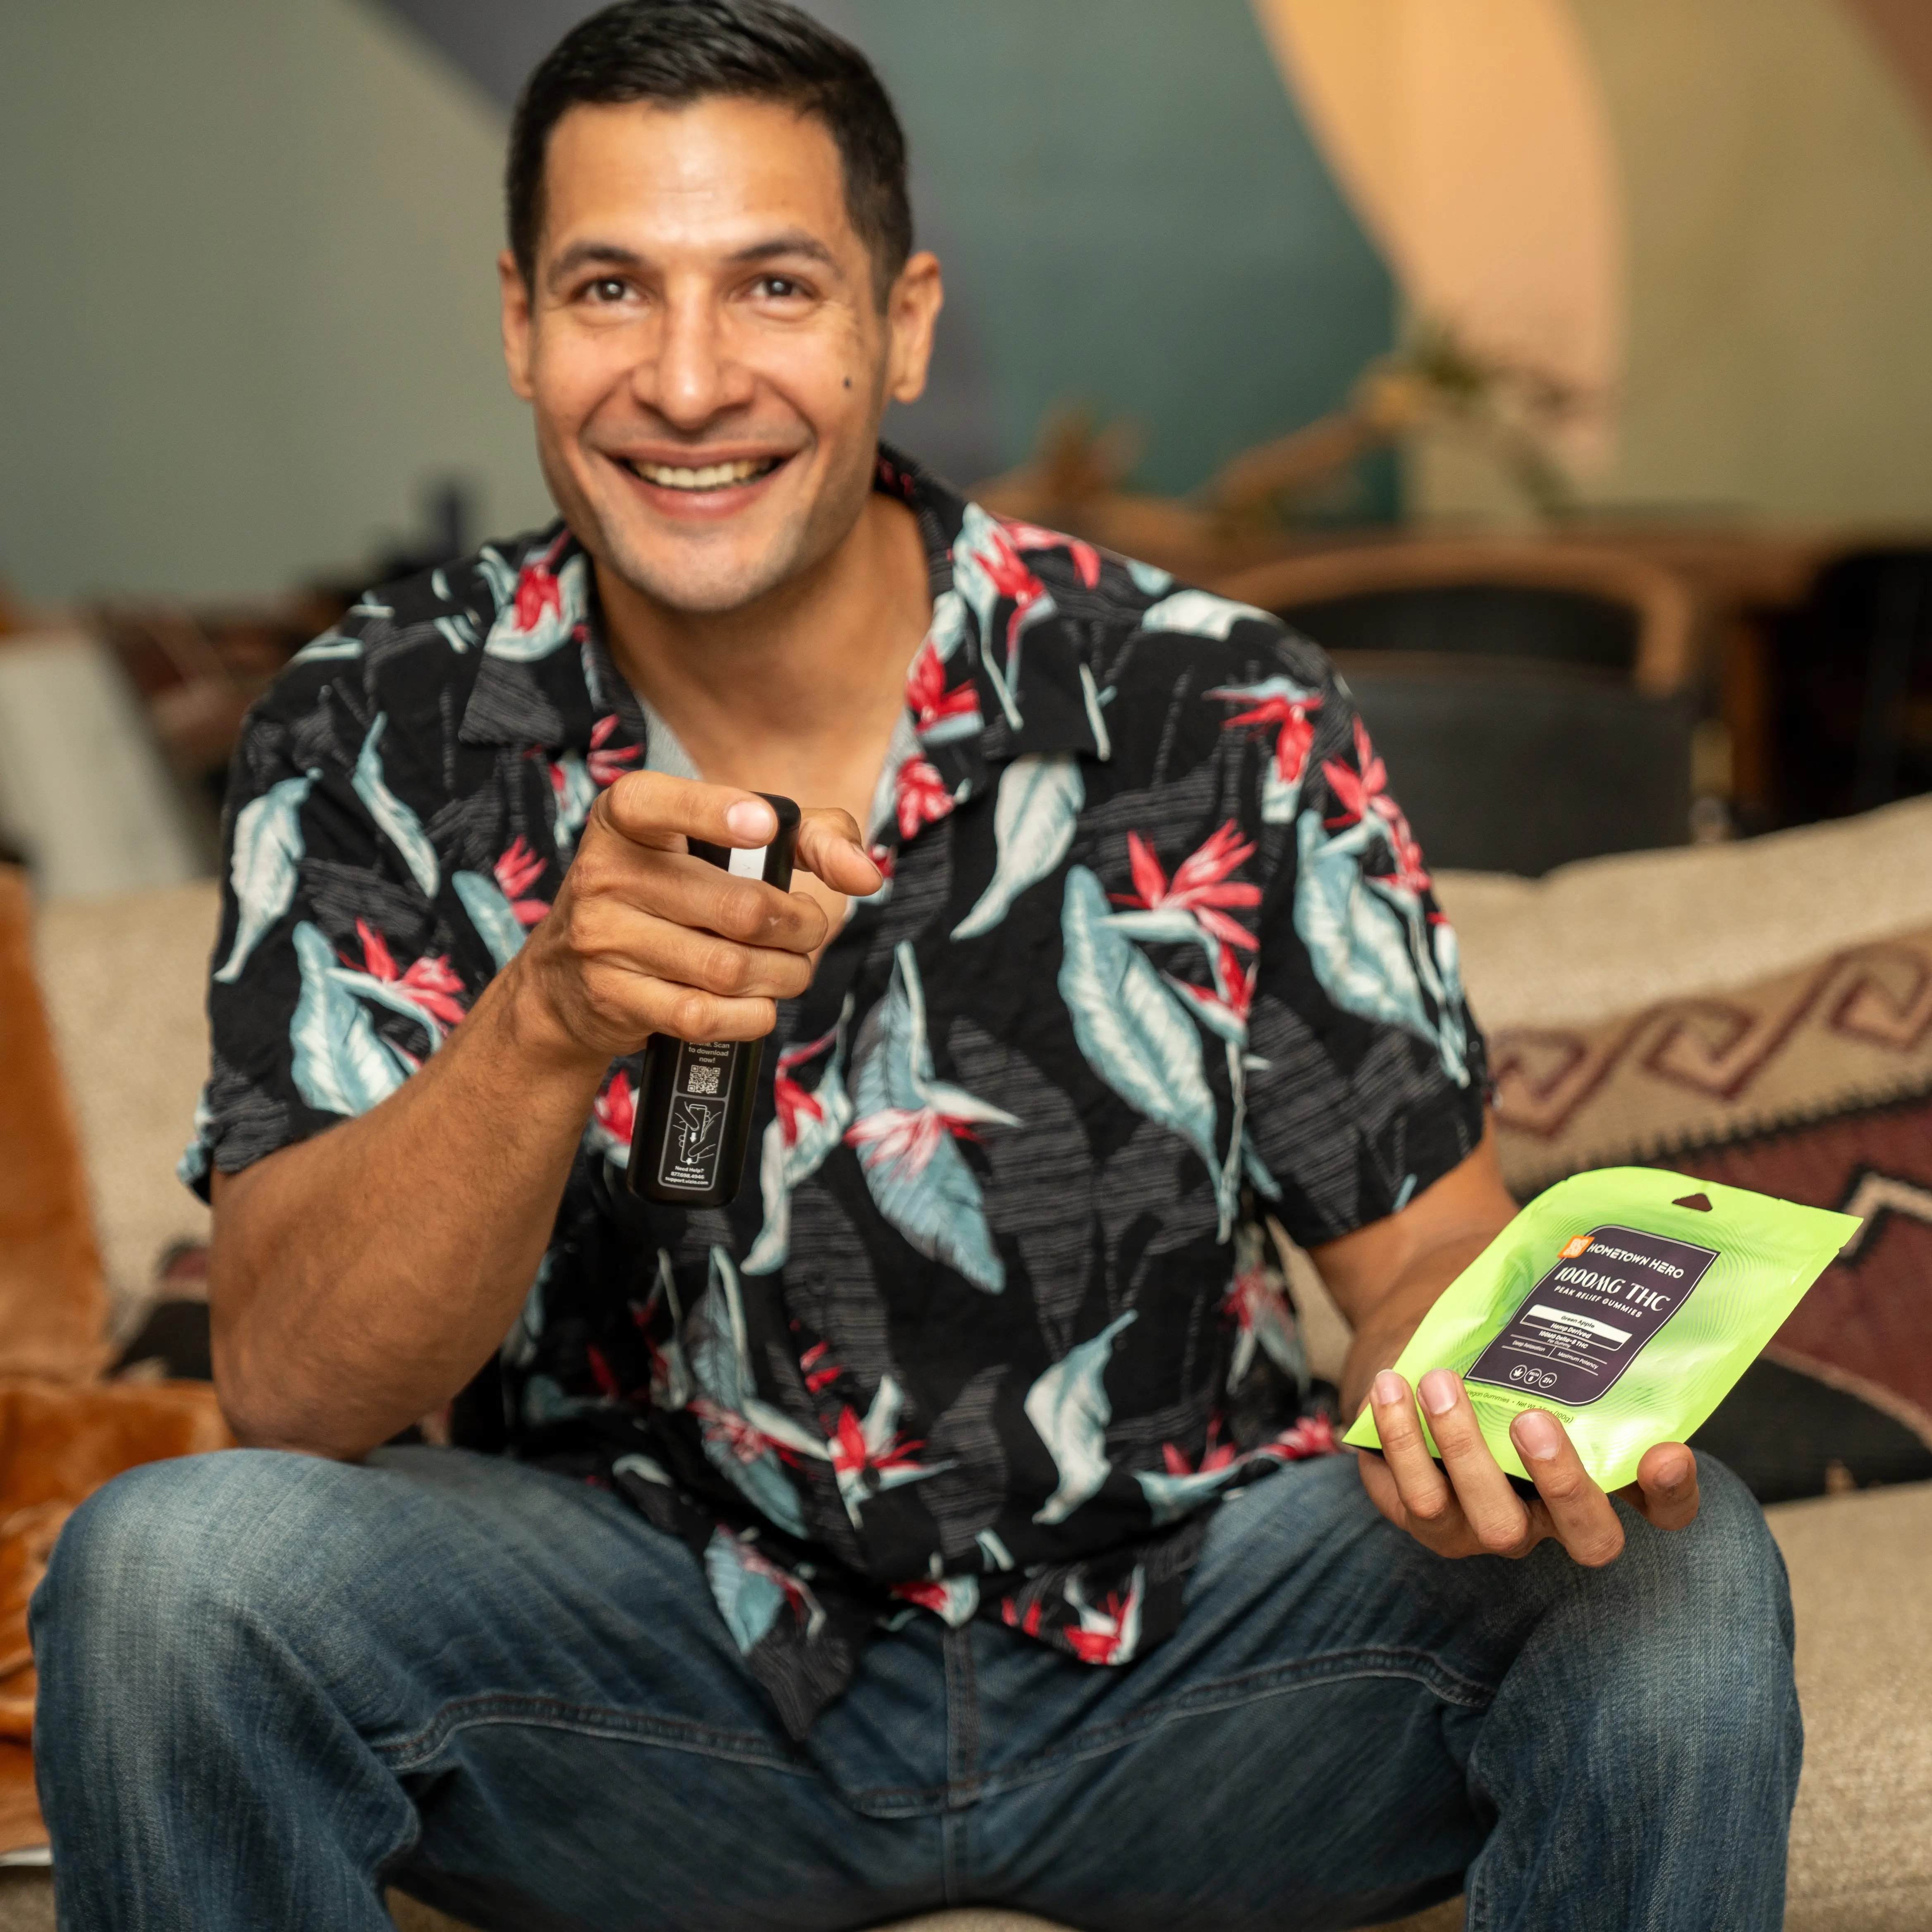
697, 374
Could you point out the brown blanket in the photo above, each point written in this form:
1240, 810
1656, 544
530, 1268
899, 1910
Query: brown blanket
63, 1432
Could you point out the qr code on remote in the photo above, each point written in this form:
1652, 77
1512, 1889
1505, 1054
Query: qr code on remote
701, 1080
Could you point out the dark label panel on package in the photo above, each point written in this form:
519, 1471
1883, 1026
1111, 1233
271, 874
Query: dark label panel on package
1583, 1323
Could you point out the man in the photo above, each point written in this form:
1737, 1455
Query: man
950, 1518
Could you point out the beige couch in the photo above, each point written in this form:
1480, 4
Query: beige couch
123, 977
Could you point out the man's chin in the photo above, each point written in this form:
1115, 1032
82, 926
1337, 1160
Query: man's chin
699, 580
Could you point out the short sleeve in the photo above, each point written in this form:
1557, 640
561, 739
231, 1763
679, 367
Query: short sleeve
1367, 1077
331, 981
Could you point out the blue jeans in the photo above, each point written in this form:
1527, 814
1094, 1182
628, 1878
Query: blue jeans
270, 1684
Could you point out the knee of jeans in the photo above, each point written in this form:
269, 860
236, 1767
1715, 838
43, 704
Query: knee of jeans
1711, 1613
168, 1558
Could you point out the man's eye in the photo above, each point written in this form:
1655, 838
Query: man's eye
607, 289
778, 288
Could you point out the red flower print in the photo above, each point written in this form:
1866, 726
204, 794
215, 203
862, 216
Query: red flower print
906, 1138
1215, 1454
515, 872
1363, 789
856, 1457
429, 980
609, 763
821, 1373
1200, 886
927, 697
922, 797
1109, 1632
794, 1102
1312, 1435
538, 592
745, 1439
1277, 702
616, 1108
1031, 536
1010, 578
1226, 1005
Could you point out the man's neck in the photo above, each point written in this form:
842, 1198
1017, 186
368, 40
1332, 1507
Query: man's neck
799, 693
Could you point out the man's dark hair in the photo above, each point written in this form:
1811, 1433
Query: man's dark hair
672, 53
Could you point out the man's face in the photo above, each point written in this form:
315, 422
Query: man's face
702, 346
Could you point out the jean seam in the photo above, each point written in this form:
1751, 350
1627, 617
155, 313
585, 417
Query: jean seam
421, 1748
1226, 1693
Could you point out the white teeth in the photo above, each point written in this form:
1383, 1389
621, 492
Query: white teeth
711, 476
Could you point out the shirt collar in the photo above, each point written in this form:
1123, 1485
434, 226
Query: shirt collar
1000, 674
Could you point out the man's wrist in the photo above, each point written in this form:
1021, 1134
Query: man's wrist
534, 1030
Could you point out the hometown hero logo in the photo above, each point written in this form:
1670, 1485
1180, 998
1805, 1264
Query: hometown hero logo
1574, 1247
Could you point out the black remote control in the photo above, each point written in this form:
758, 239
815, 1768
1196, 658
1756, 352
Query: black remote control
696, 1099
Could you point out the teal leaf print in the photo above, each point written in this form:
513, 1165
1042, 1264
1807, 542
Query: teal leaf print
342, 1065
907, 1123
1039, 803
397, 822
740, 1431
749, 1595
805, 1130
1171, 1498
330, 644
1069, 1411
1133, 1032
1358, 942
1199, 614
268, 849
497, 925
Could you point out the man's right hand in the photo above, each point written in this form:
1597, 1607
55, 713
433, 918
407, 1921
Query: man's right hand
645, 938
358, 1279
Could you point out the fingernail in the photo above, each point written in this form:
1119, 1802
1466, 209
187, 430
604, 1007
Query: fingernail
1388, 1387
1675, 1474
751, 818
1438, 1391
1537, 1435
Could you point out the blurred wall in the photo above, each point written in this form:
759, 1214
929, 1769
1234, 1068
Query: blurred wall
247, 282
1777, 164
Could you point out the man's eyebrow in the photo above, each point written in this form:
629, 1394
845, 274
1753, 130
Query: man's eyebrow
583, 254
793, 241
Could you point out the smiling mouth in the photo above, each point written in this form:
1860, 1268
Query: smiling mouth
705, 476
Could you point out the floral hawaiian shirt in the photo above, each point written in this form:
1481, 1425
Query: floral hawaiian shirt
994, 1320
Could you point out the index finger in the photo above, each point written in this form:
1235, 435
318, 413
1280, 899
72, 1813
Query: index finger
830, 848
654, 808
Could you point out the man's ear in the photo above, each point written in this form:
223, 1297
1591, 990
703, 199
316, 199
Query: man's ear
516, 295
912, 309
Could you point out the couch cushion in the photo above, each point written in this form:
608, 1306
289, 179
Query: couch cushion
1862, 1584
124, 980
1606, 936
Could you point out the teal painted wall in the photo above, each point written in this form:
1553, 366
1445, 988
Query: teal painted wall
1135, 215
248, 294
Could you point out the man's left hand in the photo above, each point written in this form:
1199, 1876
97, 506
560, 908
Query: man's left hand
1466, 1506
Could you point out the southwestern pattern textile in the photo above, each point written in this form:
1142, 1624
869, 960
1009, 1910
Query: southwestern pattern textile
991, 1326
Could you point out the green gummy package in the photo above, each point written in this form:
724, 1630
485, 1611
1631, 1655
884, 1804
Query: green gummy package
1626, 1302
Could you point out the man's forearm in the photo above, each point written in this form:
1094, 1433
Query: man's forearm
1385, 1330
359, 1279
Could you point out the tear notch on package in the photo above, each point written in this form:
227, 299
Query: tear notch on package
1627, 1302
